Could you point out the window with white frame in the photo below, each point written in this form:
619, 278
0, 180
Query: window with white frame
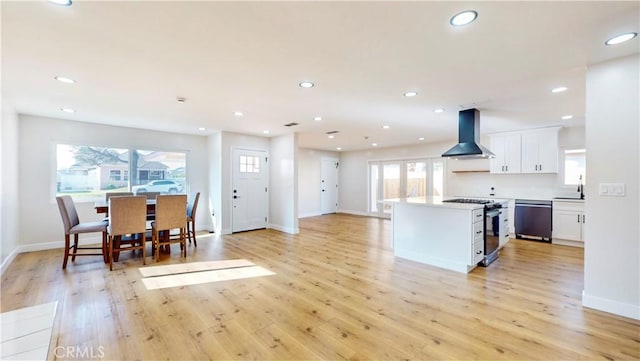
404, 178
88, 172
575, 161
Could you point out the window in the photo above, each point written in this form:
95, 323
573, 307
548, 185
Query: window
574, 166
88, 172
404, 178
114, 175
249, 164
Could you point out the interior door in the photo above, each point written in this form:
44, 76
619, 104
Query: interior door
249, 190
329, 186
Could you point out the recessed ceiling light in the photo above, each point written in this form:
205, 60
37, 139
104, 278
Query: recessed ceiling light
385, 127
68, 110
620, 38
331, 136
463, 18
181, 100
339, 148
306, 84
61, 2
559, 89
421, 138
374, 144
410, 94
202, 129
317, 119
567, 117
238, 114
265, 132
65, 80
439, 110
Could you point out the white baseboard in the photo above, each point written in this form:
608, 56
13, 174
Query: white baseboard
611, 306
225, 231
7, 261
280, 228
309, 214
34, 247
357, 213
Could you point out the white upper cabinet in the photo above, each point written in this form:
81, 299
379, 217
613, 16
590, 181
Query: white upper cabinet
506, 147
530, 151
540, 151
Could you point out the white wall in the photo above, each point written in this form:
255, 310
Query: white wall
9, 184
309, 174
229, 141
283, 183
36, 148
612, 246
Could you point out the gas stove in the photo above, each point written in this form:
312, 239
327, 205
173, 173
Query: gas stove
468, 200
488, 203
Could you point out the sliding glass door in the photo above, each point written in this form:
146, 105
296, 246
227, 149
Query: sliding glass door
404, 178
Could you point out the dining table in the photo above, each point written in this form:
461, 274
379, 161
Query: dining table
102, 206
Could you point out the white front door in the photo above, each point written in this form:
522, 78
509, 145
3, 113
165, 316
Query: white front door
329, 186
249, 190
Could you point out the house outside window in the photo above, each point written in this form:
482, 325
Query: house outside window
88, 172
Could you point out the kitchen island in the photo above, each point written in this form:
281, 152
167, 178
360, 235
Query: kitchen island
430, 231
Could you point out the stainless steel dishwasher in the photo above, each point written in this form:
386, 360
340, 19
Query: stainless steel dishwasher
533, 219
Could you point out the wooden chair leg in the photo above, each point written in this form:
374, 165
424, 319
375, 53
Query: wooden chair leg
105, 250
144, 245
110, 253
75, 247
66, 251
193, 230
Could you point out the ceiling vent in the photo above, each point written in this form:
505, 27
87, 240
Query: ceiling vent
291, 124
332, 132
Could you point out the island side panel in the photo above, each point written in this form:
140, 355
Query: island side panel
436, 236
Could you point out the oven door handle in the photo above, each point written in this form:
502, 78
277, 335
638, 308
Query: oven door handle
493, 213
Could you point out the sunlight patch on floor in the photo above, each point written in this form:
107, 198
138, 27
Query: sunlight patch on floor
186, 274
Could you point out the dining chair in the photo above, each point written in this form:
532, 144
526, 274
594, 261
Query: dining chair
72, 226
116, 194
149, 195
127, 225
170, 214
192, 205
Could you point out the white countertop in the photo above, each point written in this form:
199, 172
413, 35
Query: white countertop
432, 202
570, 200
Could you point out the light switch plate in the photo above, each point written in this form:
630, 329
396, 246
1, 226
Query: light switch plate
612, 189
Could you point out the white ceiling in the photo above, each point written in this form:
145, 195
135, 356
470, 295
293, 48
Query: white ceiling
132, 59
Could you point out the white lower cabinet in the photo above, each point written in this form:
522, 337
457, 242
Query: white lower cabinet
568, 221
503, 230
477, 246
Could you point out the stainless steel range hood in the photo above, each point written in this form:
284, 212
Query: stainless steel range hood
468, 146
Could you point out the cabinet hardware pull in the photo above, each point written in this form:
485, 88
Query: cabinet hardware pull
506, 167
540, 167
536, 167
478, 232
583, 218
578, 218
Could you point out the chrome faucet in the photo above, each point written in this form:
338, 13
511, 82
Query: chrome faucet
581, 187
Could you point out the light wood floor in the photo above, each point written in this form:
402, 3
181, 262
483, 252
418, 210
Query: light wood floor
338, 293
